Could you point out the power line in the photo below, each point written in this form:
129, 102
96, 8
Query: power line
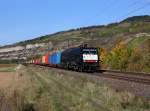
135, 10
142, 7
131, 5
134, 3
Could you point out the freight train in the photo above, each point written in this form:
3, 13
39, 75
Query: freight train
80, 58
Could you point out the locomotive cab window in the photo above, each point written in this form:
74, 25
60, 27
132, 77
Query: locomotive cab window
89, 51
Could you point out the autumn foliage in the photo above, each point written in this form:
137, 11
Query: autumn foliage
125, 58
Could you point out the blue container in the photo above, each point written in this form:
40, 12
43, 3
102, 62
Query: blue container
52, 59
58, 58
55, 58
49, 59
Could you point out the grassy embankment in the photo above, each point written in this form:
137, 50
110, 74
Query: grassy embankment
48, 90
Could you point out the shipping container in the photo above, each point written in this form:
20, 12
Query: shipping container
55, 58
46, 59
40, 60
58, 56
43, 59
33, 61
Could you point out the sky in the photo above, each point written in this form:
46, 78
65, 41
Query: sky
27, 19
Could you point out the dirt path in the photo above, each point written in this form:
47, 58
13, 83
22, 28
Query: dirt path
10, 79
6, 79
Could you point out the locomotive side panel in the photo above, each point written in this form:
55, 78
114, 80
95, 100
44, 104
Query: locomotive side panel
71, 58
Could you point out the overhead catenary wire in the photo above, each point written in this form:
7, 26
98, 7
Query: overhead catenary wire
134, 3
135, 10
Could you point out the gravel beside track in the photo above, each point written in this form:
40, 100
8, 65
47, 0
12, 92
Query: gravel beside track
139, 78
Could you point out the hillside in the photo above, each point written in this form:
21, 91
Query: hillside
127, 27
127, 39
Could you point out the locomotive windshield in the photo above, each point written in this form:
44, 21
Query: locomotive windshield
89, 51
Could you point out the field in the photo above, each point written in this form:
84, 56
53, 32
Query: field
38, 89
7, 67
7, 74
6, 79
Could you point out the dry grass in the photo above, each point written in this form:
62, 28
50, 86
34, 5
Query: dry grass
63, 92
14, 101
49, 90
6, 79
12, 93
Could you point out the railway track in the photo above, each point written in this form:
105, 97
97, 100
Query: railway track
127, 76
141, 78
128, 73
